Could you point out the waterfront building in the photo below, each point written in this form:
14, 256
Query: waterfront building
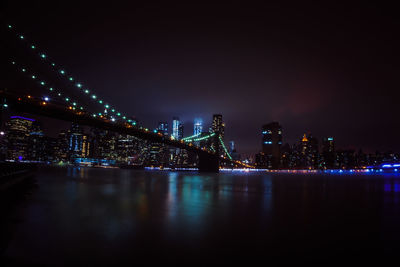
163, 127
37, 144
3, 145
78, 143
177, 128
328, 152
346, 159
197, 126
308, 152
104, 144
271, 144
17, 132
218, 125
61, 148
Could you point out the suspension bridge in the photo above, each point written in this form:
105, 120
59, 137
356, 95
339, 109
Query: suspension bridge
84, 107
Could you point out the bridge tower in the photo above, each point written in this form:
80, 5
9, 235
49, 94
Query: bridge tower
207, 162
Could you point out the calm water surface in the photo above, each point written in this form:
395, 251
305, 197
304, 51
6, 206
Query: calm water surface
113, 216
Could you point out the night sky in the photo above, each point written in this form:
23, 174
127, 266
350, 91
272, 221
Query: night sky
329, 70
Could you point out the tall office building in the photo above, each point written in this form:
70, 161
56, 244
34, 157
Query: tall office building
328, 152
61, 147
3, 145
37, 144
271, 144
75, 141
163, 127
218, 125
231, 146
18, 130
198, 126
308, 152
177, 128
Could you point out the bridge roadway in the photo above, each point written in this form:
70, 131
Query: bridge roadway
208, 161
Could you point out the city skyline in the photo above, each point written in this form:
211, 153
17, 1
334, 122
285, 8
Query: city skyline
280, 83
23, 140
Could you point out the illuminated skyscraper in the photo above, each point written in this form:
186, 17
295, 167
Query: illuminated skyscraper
328, 152
218, 125
75, 141
231, 146
177, 128
163, 127
18, 132
198, 126
271, 144
308, 152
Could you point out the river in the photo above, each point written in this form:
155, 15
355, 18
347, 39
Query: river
114, 216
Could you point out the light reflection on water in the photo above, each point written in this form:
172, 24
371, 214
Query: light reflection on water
100, 212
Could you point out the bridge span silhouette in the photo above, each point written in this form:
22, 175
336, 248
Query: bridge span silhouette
73, 101
208, 161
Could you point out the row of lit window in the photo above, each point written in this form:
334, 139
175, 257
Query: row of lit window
270, 143
270, 132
